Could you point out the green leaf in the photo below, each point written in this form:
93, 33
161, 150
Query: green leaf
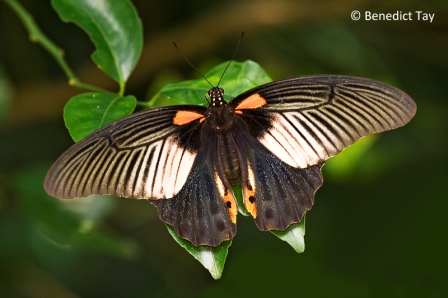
114, 27
294, 235
87, 112
239, 77
238, 191
212, 258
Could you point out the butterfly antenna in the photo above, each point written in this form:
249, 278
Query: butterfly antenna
231, 59
185, 57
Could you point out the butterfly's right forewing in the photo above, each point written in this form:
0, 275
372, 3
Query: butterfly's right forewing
310, 119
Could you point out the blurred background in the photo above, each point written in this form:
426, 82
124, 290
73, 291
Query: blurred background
379, 225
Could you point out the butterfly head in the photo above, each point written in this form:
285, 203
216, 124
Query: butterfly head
219, 114
215, 97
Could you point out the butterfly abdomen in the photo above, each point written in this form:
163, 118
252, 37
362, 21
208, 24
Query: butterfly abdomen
229, 157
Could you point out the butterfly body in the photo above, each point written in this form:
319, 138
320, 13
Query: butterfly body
272, 139
228, 154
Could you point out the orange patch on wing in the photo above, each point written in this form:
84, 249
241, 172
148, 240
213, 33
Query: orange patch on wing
254, 101
184, 117
227, 197
249, 192
249, 201
231, 205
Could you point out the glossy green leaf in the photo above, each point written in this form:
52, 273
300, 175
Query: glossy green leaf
294, 235
238, 191
212, 258
239, 77
114, 27
87, 112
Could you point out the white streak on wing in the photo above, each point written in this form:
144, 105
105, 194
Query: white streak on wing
128, 165
313, 146
177, 168
116, 180
310, 150
285, 136
271, 141
152, 172
251, 176
276, 140
158, 190
166, 178
139, 188
166, 166
186, 162
174, 168
219, 185
322, 150
296, 149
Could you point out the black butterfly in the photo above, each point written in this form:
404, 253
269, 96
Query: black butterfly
272, 139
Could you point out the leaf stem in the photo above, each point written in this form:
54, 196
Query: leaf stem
37, 36
144, 104
122, 88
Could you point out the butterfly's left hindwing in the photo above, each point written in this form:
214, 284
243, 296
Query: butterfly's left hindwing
204, 211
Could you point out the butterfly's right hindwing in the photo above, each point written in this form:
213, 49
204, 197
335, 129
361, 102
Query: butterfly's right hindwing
143, 156
275, 193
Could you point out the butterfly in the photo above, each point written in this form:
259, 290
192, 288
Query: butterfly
273, 140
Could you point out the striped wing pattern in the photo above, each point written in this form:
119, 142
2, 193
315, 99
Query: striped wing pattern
139, 156
279, 134
314, 118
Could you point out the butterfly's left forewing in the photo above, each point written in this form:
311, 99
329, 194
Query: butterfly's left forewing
147, 155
